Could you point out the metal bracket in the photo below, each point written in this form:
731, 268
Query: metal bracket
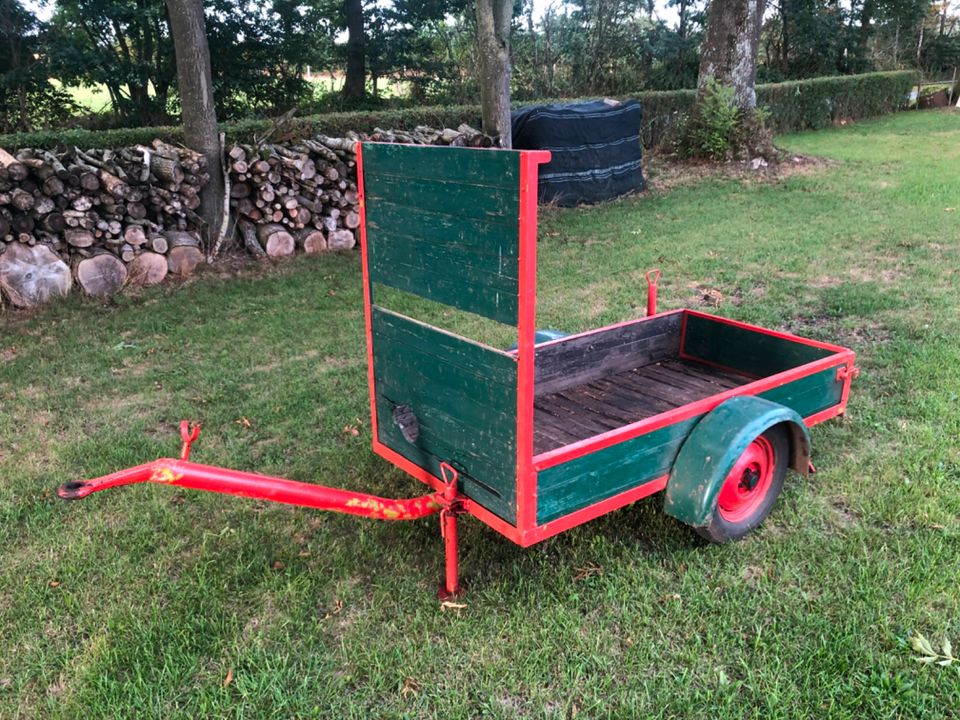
188, 433
847, 371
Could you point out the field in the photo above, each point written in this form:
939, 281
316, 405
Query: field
149, 602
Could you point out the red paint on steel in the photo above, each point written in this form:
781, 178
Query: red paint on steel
448, 530
188, 435
367, 312
653, 277
261, 487
590, 512
825, 415
685, 412
748, 482
478, 511
526, 331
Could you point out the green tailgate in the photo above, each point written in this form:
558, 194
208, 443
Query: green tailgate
465, 398
443, 223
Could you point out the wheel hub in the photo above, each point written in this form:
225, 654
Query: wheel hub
748, 482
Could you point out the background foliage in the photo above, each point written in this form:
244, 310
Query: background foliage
794, 105
279, 55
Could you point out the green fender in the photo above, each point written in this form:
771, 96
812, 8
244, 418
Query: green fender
713, 446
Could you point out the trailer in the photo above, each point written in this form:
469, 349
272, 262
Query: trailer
559, 429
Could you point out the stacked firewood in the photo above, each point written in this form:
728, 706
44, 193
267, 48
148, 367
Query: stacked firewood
101, 217
304, 194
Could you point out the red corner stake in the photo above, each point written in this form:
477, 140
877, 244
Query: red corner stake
653, 277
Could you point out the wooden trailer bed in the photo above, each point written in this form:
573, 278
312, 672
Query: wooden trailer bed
548, 435
610, 402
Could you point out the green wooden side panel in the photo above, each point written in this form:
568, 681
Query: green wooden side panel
465, 398
586, 480
743, 349
809, 394
443, 223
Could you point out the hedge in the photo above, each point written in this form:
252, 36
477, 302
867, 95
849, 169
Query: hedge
796, 105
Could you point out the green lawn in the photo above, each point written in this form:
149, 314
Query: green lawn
144, 601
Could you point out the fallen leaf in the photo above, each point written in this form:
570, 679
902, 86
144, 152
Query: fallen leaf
587, 571
245, 422
448, 605
229, 678
277, 565
337, 607
411, 686
351, 430
54, 583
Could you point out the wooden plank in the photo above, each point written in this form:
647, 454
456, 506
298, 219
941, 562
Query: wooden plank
464, 397
745, 350
443, 197
725, 378
570, 420
583, 481
491, 168
447, 231
810, 394
579, 360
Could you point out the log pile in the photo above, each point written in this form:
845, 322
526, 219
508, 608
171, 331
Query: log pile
304, 195
105, 219
101, 217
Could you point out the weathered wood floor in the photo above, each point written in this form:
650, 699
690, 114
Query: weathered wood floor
596, 407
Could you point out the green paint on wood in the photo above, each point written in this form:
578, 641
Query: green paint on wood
743, 349
465, 399
444, 224
810, 394
586, 480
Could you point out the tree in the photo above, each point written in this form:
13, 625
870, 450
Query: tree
493, 46
354, 86
729, 50
123, 44
195, 81
27, 98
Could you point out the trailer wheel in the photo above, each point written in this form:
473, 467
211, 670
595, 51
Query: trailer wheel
751, 487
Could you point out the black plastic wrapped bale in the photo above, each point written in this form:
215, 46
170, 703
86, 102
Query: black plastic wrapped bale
595, 149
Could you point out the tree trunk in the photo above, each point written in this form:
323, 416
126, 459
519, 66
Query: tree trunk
729, 50
195, 82
493, 46
354, 84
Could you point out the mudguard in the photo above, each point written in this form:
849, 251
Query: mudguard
713, 446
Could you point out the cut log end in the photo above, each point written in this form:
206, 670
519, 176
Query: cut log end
101, 275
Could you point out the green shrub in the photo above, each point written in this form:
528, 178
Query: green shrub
793, 106
712, 132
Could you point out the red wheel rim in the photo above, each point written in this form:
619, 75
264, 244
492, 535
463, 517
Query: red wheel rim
749, 480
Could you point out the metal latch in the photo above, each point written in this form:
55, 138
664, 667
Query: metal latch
852, 372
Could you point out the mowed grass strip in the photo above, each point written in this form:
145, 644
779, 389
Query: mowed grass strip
150, 602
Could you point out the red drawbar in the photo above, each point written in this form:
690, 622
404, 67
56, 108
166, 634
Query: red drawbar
262, 487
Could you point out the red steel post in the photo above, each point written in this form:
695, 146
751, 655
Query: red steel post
653, 277
448, 529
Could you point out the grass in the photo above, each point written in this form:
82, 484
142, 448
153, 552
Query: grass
93, 98
152, 603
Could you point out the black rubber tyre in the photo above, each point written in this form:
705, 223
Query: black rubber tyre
751, 489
